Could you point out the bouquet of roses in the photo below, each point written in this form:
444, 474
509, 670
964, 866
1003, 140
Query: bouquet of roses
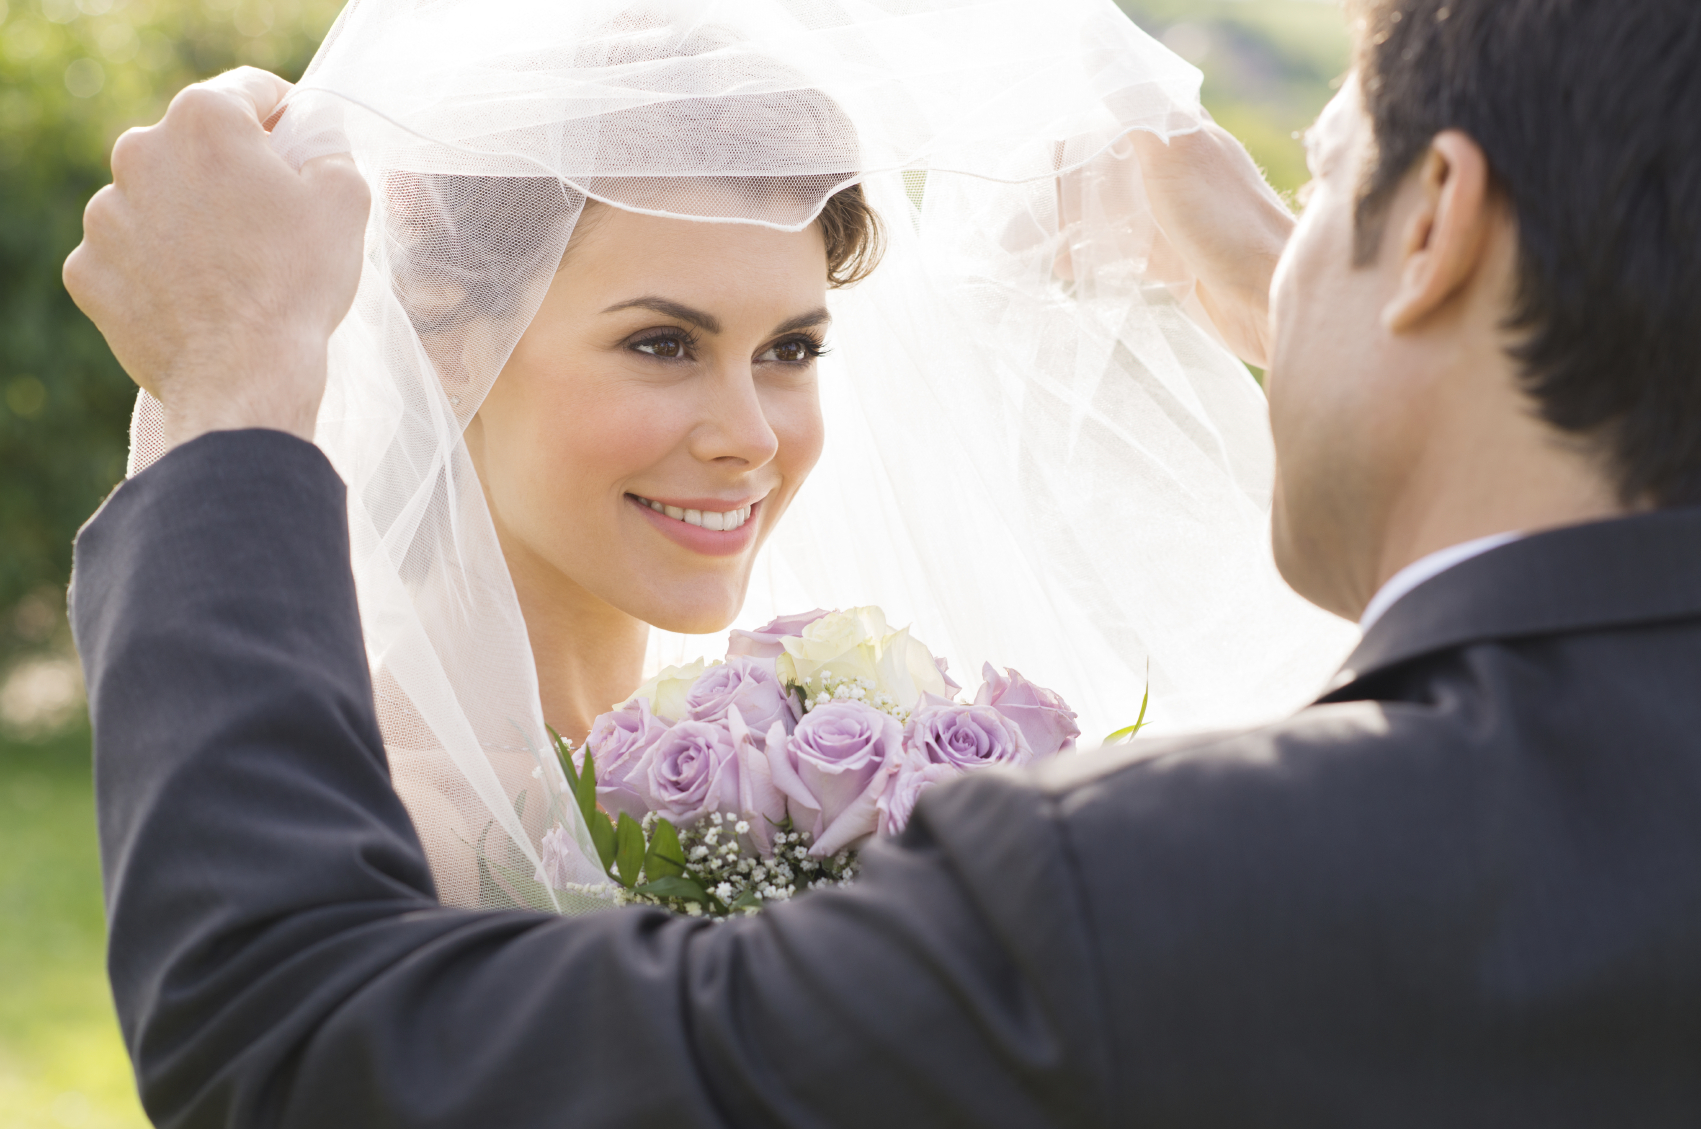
722, 786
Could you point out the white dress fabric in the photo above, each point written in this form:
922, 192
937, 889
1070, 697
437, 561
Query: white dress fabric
1035, 455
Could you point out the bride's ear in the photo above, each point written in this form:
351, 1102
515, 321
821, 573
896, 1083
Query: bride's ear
1441, 239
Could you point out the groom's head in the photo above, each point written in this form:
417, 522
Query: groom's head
1489, 318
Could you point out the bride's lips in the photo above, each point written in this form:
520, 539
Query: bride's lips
709, 542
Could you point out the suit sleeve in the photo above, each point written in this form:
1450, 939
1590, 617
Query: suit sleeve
279, 958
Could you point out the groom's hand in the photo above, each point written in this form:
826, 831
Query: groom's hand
215, 270
1227, 224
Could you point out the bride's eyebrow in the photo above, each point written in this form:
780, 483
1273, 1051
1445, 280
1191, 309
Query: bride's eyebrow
804, 321
708, 323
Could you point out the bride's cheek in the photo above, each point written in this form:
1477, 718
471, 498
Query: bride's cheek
802, 435
802, 449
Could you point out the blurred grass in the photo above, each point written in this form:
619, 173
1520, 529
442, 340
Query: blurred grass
61, 1060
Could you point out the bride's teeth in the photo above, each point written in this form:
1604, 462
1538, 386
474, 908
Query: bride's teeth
720, 522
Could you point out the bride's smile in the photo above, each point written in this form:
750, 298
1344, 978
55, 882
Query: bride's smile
708, 526
646, 435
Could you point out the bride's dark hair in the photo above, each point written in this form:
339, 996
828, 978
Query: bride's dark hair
854, 237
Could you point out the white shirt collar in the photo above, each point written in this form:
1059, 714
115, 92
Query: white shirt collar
1427, 568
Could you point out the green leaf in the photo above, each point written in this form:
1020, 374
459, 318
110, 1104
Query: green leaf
564, 753
587, 790
1139, 722
666, 858
685, 889
745, 900
602, 834
628, 850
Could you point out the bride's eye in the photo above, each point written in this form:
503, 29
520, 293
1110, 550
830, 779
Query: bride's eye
671, 346
793, 351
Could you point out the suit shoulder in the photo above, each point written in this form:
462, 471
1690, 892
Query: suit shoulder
1343, 733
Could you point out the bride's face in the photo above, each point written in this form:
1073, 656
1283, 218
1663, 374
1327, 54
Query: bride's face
658, 415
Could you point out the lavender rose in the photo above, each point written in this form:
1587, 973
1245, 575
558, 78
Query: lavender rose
689, 772
767, 642
559, 861
619, 739
747, 685
1043, 717
897, 803
965, 737
760, 803
833, 769
951, 686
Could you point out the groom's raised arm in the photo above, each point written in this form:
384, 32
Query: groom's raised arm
279, 958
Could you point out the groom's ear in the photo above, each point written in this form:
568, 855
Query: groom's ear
1442, 235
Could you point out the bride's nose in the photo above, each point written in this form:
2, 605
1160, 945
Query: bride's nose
734, 424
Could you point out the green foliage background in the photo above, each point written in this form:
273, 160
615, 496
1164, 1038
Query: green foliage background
71, 79
73, 75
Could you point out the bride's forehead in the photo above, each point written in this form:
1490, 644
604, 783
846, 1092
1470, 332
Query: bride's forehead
605, 232
779, 201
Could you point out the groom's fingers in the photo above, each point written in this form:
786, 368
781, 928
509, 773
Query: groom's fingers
336, 180
1224, 220
343, 201
215, 269
258, 92
85, 279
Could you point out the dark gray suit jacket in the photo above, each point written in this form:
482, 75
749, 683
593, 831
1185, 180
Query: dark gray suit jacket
1462, 890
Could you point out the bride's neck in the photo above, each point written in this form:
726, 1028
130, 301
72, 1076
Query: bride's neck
589, 655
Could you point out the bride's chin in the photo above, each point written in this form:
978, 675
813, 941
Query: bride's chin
685, 623
691, 613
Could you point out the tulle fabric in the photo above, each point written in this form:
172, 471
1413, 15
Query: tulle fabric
1035, 455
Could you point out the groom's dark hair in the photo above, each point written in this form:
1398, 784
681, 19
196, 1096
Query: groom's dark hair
1588, 112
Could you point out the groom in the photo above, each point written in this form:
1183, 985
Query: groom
1463, 889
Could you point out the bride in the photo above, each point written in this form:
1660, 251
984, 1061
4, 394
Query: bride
679, 315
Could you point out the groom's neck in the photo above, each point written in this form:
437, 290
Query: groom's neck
1486, 463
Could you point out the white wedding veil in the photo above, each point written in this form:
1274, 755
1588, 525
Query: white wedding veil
1035, 455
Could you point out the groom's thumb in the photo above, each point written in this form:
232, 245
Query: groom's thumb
342, 201
337, 183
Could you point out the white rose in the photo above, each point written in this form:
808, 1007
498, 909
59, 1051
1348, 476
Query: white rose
666, 691
858, 645
843, 644
908, 670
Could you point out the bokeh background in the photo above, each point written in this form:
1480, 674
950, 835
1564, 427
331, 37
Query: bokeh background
73, 75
